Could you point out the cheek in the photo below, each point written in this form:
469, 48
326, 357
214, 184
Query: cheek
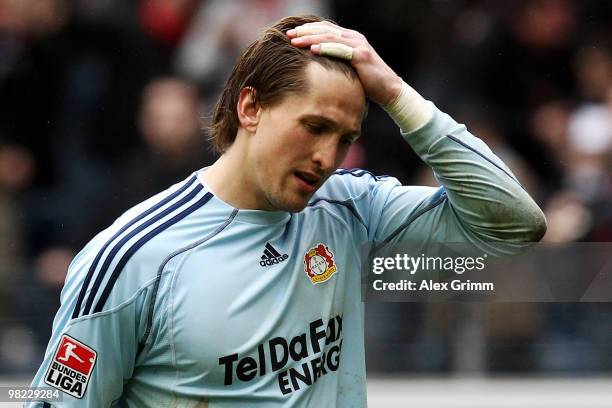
288, 144
281, 146
272, 159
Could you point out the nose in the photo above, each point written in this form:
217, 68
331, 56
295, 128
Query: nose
325, 156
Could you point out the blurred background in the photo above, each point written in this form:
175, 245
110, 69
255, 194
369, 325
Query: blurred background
101, 104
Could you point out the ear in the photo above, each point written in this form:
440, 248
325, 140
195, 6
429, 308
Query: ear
249, 110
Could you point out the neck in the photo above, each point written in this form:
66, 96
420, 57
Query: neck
229, 178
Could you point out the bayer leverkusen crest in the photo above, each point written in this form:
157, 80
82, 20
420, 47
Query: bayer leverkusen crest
319, 263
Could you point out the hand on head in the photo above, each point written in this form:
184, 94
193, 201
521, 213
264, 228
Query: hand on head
381, 84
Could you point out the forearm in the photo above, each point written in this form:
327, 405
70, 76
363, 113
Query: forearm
485, 195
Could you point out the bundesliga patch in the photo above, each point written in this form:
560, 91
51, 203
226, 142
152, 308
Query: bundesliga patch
319, 264
71, 367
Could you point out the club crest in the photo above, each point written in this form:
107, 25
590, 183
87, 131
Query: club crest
319, 264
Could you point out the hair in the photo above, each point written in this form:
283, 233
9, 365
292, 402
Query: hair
272, 68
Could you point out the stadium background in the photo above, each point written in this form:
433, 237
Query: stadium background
101, 102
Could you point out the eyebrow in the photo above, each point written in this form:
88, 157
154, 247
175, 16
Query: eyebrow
323, 120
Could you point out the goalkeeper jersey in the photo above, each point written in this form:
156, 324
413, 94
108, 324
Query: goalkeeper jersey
186, 301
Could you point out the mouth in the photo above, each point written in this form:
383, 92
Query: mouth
308, 181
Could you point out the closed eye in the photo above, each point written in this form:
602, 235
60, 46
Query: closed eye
315, 129
347, 141
317, 125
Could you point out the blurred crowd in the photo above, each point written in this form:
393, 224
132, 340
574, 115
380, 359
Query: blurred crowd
102, 104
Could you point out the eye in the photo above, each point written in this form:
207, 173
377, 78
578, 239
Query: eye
314, 128
346, 141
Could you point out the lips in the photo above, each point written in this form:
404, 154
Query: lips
307, 181
309, 178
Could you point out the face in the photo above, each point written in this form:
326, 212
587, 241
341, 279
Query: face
302, 140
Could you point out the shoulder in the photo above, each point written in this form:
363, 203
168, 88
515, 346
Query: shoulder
349, 193
352, 184
129, 255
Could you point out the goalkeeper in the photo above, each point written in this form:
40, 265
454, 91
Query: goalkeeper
240, 286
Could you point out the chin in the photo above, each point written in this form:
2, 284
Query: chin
292, 206
297, 208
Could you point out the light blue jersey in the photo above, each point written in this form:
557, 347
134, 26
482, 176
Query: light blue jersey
186, 301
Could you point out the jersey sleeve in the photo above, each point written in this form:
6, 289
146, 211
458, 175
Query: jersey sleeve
89, 358
480, 202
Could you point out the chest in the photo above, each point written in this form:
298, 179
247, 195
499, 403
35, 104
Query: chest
257, 301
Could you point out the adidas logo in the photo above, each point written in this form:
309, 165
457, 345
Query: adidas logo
271, 256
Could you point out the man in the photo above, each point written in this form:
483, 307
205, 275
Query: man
241, 286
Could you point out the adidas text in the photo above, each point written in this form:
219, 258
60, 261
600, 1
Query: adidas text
271, 261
